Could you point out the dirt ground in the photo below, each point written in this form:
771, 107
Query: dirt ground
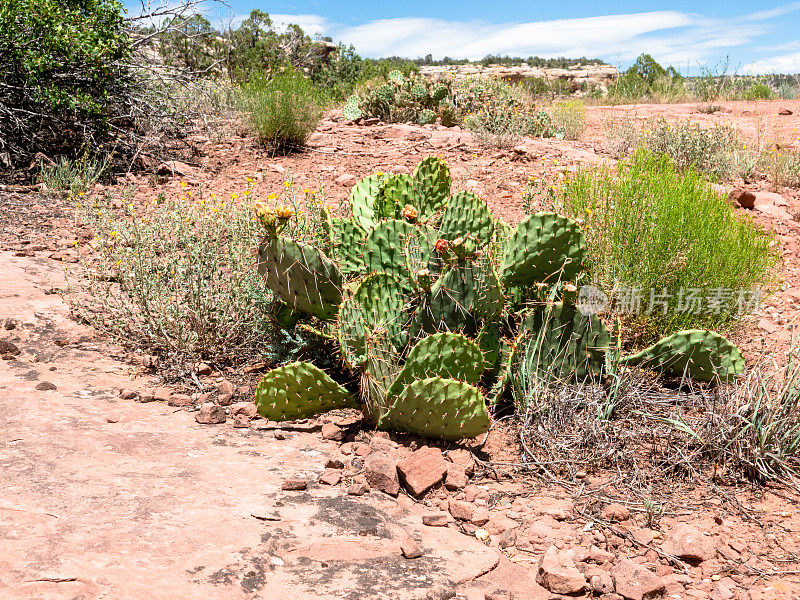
111, 488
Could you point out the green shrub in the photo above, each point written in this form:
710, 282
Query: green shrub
569, 118
73, 176
759, 91
282, 111
652, 226
60, 63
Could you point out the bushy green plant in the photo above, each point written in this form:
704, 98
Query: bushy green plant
72, 176
759, 91
569, 118
60, 62
652, 226
782, 166
281, 111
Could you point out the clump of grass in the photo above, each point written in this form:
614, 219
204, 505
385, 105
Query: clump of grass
72, 175
653, 226
717, 151
569, 118
781, 166
281, 111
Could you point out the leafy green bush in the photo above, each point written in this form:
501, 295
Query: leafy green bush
60, 62
282, 111
759, 91
652, 226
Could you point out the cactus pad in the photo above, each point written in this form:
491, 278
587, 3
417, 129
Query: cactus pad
397, 192
699, 353
301, 276
438, 408
426, 116
348, 246
352, 109
300, 390
364, 200
431, 186
466, 214
385, 248
545, 247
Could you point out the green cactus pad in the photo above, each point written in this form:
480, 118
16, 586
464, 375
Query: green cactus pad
466, 214
352, 109
418, 248
464, 295
446, 355
439, 92
699, 353
426, 116
545, 247
490, 341
438, 408
377, 303
300, 390
348, 246
385, 93
431, 186
419, 91
560, 343
379, 371
364, 200
396, 77
301, 276
385, 248
397, 192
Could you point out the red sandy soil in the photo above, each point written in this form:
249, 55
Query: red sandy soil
107, 497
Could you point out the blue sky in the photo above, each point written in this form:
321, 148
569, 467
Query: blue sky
758, 37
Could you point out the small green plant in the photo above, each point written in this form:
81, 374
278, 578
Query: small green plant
759, 91
281, 111
652, 226
72, 176
781, 166
569, 118
652, 513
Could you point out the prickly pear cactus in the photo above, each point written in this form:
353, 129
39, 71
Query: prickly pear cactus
301, 276
439, 92
446, 355
365, 200
431, 186
701, 354
348, 246
426, 117
466, 214
352, 109
396, 77
398, 191
545, 247
300, 390
384, 248
439, 408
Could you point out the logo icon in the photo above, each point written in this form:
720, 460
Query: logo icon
591, 300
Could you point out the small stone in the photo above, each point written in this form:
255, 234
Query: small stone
435, 520
456, 477
743, 198
785, 112
225, 399
422, 470
409, 547
331, 477
334, 463
226, 387
46, 386
480, 516
557, 573
635, 582
294, 484
615, 513
358, 489
362, 449
481, 535
248, 409
241, 421
464, 458
332, 432
210, 414
128, 394
279, 435
381, 473
10, 324
162, 394
146, 396
690, 544
112, 419
10, 348
602, 583
204, 369
179, 400
461, 509
381, 444
346, 180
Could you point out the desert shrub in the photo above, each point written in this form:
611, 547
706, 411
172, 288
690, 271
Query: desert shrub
653, 226
781, 166
281, 111
717, 150
74, 176
759, 91
176, 276
569, 119
61, 62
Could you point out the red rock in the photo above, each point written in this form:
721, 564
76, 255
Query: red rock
558, 573
456, 477
294, 484
204, 369
409, 547
381, 473
615, 513
601, 582
743, 198
358, 489
362, 449
785, 112
422, 470
461, 509
249, 409
473, 492
332, 432
241, 421
462, 457
381, 444
226, 387
435, 520
331, 477
210, 414
128, 394
558, 508
688, 543
225, 399
346, 180
334, 463
635, 582
179, 400
767, 325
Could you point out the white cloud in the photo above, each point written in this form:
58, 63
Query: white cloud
311, 24
783, 63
